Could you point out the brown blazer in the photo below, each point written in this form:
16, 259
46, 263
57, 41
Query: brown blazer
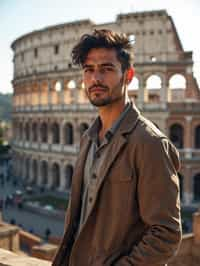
135, 216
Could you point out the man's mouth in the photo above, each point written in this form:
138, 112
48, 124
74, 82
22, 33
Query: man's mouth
97, 89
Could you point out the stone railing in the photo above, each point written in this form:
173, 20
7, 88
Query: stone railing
8, 258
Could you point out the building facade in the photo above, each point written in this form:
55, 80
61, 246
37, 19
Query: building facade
51, 111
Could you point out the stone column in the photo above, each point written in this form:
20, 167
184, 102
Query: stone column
39, 179
190, 91
141, 93
49, 92
62, 124
30, 178
30, 94
188, 137
39, 93
62, 176
188, 186
49, 134
76, 131
50, 174
164, 93
61, 93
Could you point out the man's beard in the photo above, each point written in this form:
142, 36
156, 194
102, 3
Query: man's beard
98, 102
101, 102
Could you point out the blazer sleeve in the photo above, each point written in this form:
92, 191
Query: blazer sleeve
159, 204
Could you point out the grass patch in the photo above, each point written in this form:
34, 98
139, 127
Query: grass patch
57, 203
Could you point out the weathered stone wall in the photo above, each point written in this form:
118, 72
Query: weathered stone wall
8, 258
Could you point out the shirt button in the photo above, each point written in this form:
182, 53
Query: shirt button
90, 199
97, 155
94, 176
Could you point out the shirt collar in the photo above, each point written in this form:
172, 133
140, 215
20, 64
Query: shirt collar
94, 129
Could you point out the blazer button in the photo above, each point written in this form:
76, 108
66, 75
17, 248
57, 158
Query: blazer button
94, 176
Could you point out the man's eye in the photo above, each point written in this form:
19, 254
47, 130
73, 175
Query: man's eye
88, 70
107, 69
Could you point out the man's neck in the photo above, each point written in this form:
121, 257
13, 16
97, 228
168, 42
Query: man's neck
109, 114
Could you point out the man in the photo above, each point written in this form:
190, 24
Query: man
124, 208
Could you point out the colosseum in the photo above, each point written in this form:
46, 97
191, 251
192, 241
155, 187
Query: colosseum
51, 110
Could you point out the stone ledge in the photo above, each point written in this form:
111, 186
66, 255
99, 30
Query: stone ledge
8, 258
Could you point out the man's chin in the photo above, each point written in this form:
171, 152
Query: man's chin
100, 103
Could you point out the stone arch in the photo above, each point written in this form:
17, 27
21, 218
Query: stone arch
44, 172
68, 175
34, 132
44, 132
68, 134
83, 127
177, 81
34, 171
176, 135
197, 137
55, 133
134, 85
196, 187
55, 175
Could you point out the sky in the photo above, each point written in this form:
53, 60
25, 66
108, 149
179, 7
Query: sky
18, 17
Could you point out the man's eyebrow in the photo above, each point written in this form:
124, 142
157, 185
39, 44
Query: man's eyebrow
86, 65
104, 65
108, 64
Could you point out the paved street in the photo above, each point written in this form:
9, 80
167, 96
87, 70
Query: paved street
32, 222
36, 223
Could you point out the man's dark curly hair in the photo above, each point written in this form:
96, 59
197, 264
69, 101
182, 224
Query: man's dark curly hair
103, 39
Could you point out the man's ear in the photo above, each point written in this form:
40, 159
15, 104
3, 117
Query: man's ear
130, 74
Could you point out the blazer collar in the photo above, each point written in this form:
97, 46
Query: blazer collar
126, 125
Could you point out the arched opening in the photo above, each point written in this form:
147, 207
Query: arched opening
27, 131
177, 85
55, 133
44, 172
134, 85
68, 133
176, 135
58, 86
83, 128
153, 82
35, 132
181, 185
44, 133
71, 84
196, 187
68, 176
35, 172
197, 137
177, 81
55, 175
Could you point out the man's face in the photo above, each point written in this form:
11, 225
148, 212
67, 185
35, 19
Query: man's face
103, 77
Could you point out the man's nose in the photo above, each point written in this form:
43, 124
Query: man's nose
97, 76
